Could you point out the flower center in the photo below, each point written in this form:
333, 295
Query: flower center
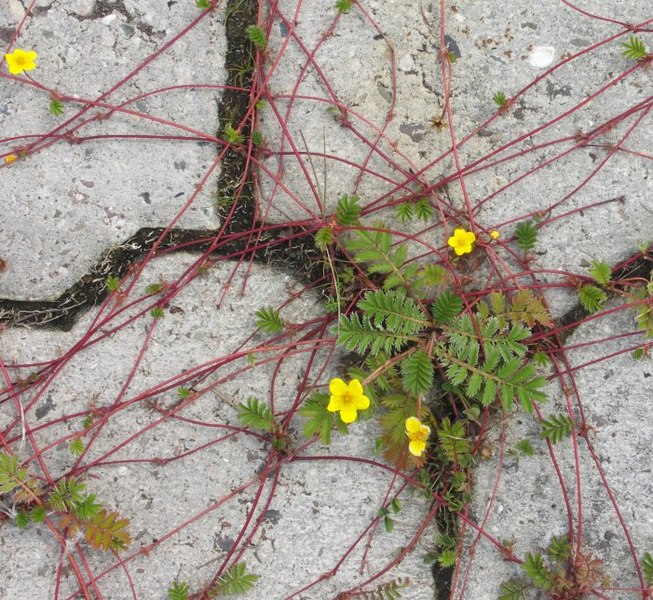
419, 436
347, 399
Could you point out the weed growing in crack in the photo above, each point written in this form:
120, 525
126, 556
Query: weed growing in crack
65, 506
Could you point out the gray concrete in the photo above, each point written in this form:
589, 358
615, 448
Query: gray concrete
65, 205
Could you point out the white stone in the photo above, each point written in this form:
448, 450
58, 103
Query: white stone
541, 56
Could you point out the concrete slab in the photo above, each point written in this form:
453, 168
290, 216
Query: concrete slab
95, 182
606, 481
192, 482
355, 104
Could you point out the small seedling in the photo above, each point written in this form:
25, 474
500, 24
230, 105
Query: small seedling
634, 48
233, 136
57, 107
343, 6
499, 99
257, 36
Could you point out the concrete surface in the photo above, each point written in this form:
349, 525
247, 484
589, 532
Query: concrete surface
65, 205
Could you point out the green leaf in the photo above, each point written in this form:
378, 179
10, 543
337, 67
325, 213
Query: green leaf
258, 139
348, 210
76, 446
453, 442
541, 359
38, 514
57, 108
256, 35
647, 569
157, 312
423, 209
535, 568
360, 335
22, 519
525, 448
324, 238
417, 373
559, 549
154, 288
600, 272
343, 6
67, 495
393, 311
512, 590
113, 283
256, 415
556, 428
404, 211
591, 297
268, 320
499, 99
634, 48
447, 558
232, 135
395, 505
178, 591
320, 420
11, 476
388, 523
235, 581
526, 235
87, 508
373, 248
447, 306
431, 275
203, 4
643, 312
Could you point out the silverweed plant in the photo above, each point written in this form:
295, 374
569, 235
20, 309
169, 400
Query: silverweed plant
434, 360
434, 350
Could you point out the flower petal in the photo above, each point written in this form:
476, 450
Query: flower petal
337, 387
412, 425
417, 447
355, 388
335, 404
348, 414
361, 402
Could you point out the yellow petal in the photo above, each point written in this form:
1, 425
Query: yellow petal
337, 387
417, 447
361, 402
348, 414
412, 425
335, 404
355, 387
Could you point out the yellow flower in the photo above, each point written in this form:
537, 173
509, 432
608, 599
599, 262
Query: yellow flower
10, 158
417, 434
494, 234
20, 60
348, 399
461, 241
